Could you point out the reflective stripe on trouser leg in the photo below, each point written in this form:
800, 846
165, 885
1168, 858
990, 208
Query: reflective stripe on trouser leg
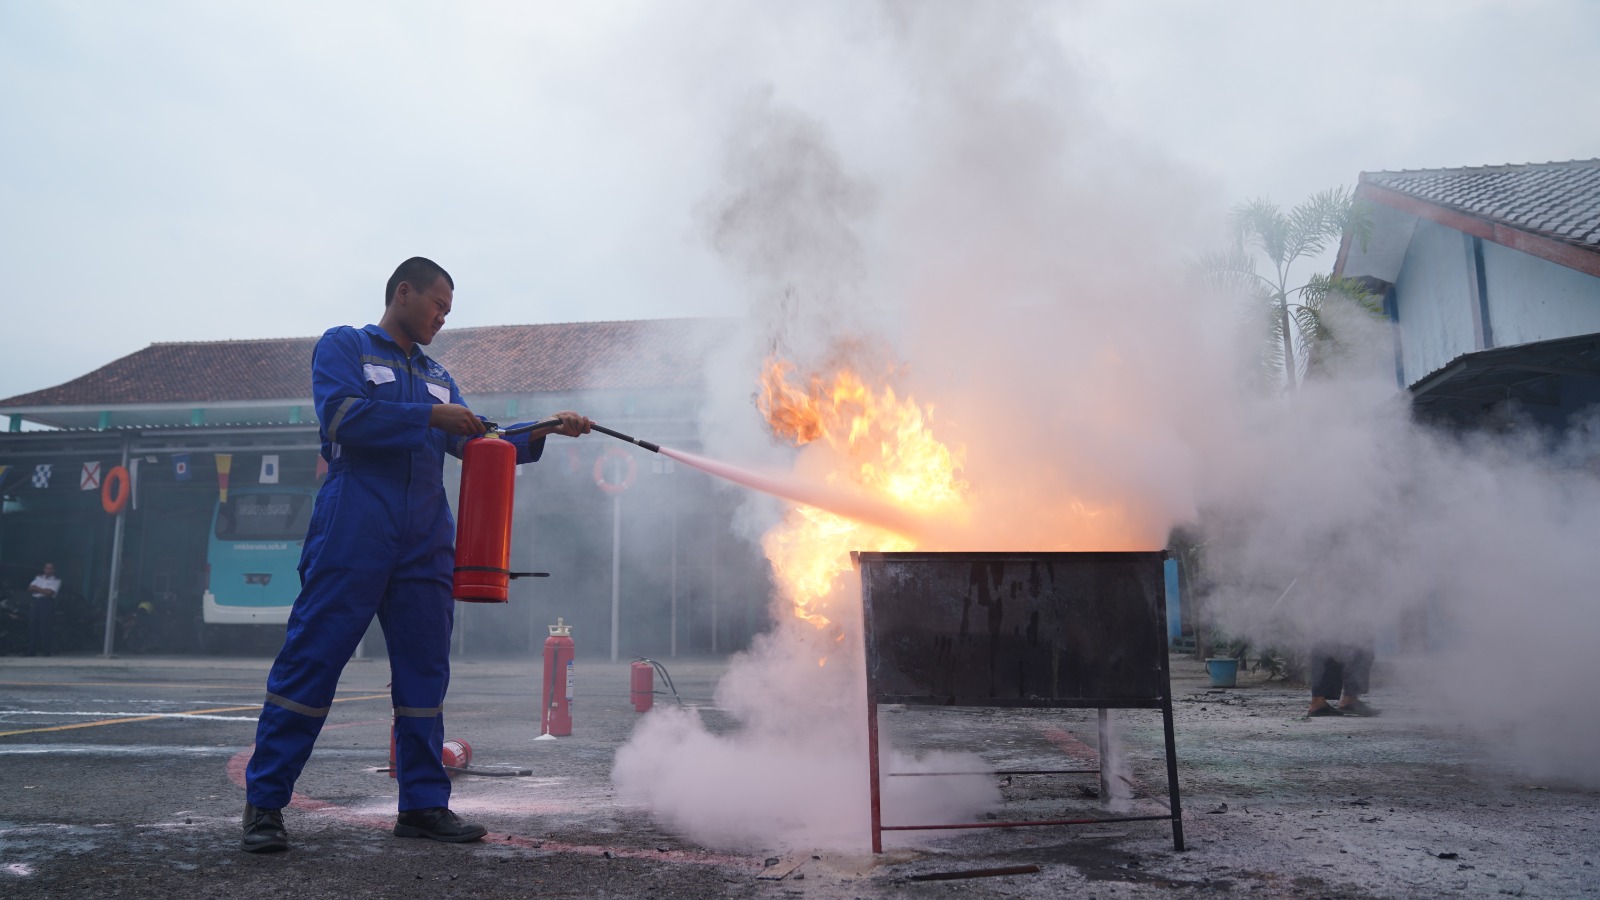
416, 616
329, 618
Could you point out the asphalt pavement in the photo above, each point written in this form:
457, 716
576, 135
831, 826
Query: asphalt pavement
123, 777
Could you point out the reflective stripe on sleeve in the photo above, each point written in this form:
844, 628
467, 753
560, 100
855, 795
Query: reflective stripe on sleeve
300, 708
333, 427
417, 712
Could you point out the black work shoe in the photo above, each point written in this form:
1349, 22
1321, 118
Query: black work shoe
1358, 708
438, 823
263, 831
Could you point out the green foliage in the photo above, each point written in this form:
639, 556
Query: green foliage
1227, 646
1299, 339
1281, 664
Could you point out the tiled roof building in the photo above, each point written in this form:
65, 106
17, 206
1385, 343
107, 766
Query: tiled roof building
270, 376
1560, 200
1548, 210
1491, 275
191, 420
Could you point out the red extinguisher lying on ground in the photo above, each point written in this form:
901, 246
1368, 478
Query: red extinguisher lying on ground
455, 755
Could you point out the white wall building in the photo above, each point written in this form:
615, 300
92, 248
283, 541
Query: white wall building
1492, 275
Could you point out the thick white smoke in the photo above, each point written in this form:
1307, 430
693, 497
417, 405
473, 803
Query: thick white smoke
1023, 270
1001, 272
794, 776
1466, 557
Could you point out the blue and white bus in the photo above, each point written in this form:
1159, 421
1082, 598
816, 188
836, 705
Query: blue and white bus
252, 555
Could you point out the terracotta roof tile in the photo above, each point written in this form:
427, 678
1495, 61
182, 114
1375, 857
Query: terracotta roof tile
493, 359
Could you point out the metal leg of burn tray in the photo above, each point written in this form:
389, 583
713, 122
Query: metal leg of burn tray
1174, 816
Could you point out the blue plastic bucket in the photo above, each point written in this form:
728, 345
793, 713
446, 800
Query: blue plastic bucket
1223, 672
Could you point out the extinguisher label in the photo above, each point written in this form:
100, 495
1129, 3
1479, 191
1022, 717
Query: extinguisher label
569, 681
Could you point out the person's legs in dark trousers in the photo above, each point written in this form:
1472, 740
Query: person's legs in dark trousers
1327, 678
39, 626
1357, 679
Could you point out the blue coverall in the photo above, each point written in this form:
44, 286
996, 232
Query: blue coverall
379, 543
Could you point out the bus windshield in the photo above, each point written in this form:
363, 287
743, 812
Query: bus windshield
264, 517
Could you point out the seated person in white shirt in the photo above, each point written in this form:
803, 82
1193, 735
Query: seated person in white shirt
42, 590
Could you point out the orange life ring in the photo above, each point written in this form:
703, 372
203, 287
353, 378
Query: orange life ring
115, 490
600, 470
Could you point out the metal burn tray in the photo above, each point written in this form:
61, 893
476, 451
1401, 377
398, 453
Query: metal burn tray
1047, 630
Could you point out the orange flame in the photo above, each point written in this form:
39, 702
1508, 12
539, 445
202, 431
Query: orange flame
875, 443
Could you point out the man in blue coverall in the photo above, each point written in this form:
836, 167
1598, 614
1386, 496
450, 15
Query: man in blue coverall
379, 543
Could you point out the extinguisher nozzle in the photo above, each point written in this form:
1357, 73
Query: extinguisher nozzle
653, 448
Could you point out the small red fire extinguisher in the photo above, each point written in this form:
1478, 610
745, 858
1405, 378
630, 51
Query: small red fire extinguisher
483, 520
555, 717
455, 755
642, 685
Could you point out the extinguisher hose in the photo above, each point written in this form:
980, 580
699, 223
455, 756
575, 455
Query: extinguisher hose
653, 448
664, 677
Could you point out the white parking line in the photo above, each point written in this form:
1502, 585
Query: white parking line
125, 715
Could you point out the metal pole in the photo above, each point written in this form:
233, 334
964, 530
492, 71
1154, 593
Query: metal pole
116, 568
715, 542
674, 500
874, 773
1107, 758
616, 568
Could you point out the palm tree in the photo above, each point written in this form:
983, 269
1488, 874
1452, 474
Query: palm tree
1294, 319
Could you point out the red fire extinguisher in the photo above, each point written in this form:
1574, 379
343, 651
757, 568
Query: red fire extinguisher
642, 685
483, 520
455, 755
555, 718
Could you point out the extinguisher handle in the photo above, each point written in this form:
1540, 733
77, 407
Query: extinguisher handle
552, 423
531, 426
529, 574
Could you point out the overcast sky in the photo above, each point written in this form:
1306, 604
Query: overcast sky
180, 171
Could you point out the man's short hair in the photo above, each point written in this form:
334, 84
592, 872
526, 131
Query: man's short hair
419, 272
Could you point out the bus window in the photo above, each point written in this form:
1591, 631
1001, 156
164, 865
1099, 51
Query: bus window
264, 517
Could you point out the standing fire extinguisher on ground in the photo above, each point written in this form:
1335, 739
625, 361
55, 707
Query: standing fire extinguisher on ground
555, 717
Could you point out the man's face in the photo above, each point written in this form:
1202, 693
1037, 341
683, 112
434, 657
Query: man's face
423, 312
50, 569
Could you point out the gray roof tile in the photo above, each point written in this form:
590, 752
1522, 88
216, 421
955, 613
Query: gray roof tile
1560, 200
